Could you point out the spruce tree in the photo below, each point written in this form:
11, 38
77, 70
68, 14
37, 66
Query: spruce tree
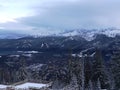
74, 82
22, 72
99, 70
88, 70
80, 72
90, 85
115, 68
98, 85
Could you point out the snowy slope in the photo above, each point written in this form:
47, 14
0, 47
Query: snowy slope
90, 34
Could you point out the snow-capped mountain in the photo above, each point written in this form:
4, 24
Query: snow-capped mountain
88, 34
91, 34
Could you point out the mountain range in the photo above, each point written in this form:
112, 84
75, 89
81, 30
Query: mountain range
76, 40
46, 56
88, 34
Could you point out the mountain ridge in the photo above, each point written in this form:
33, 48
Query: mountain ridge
88, 34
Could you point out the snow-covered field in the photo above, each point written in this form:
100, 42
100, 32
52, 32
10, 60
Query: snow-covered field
25, 86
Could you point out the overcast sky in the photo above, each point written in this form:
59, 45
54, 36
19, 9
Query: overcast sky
34, 16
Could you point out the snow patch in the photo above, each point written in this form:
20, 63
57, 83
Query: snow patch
27, 55
14, 56
25, 86
29, 52
3, 86
30, 85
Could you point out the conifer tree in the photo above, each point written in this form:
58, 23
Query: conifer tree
111, 79
98, 87
22, 72
115, 68
98, 70
81, 72
90, 85
74, 82
88, 70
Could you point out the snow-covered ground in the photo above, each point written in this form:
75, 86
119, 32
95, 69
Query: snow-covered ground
2, 86
26, 85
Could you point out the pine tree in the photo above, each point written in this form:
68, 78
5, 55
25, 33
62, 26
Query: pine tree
88, 70
99, 70
115, 68
73, 84
90, 85
35, 75
22, 72
111, 79
98, 85
70, 64
81, 72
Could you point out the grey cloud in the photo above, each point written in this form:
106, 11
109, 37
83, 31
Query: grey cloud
69, 14
76, 15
